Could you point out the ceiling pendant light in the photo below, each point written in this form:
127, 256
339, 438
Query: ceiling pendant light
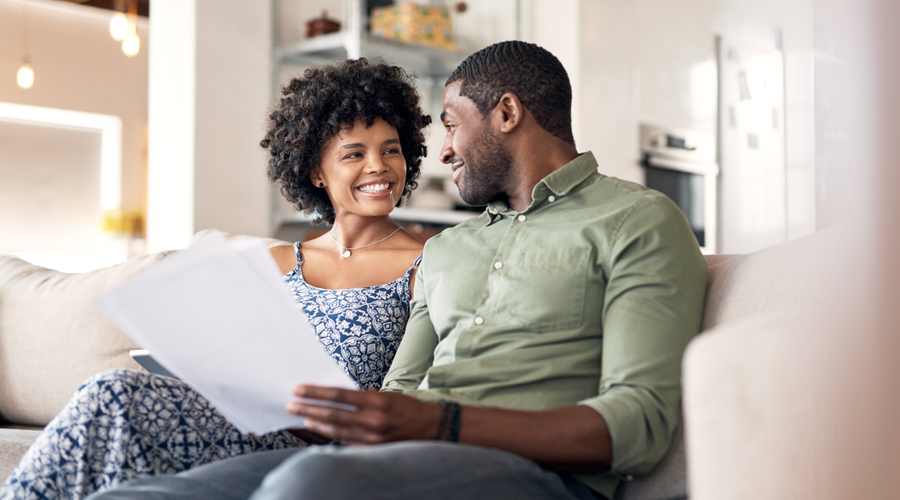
131, 45
25, 75
118, 25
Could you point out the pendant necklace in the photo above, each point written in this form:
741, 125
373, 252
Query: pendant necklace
345, 252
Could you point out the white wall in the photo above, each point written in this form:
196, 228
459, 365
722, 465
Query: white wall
79, 67
654, 61
209, 91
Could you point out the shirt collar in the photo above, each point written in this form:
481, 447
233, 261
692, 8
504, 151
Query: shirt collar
558, 183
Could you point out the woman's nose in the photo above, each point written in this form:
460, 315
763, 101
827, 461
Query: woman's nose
377, 164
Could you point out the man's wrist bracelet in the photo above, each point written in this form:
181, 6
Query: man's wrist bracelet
445, 415
448, 429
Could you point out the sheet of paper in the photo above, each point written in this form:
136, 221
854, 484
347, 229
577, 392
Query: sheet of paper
221, 320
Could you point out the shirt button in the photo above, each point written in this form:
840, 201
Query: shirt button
498, 265
551, 198
522, 218
479, 320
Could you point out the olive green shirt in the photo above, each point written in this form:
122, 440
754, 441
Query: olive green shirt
588, 297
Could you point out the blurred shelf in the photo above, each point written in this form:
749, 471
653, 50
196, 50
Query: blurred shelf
323, 49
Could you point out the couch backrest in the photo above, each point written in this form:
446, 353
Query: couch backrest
52, 337
799, 275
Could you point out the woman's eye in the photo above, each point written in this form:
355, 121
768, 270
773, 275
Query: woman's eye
392, 151
353, 155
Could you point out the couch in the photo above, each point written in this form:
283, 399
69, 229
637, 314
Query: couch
52, 338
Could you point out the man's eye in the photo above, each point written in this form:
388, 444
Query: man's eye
392, 151
353, 155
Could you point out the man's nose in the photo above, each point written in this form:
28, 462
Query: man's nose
447, 152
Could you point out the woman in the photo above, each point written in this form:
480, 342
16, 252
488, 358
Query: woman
345, 145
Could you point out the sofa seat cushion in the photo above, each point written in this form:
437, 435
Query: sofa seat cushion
52, 338
13, 444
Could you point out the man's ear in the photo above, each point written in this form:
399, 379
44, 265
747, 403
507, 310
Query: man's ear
508, 113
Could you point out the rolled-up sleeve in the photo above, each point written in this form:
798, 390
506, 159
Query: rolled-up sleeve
652, 309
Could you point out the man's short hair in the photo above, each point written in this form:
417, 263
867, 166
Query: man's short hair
530, 72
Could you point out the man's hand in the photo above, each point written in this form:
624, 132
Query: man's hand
380, 417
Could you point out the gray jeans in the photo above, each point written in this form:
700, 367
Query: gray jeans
408, 470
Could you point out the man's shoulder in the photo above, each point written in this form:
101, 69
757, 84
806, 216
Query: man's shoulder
625, 198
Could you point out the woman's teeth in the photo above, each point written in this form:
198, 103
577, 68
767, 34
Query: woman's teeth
374, 188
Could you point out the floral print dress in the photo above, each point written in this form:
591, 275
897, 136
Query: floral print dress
123, 424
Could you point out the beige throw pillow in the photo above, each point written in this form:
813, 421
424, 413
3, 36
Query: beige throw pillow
52, 337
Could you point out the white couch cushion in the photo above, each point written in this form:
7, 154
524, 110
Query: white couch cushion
52, 337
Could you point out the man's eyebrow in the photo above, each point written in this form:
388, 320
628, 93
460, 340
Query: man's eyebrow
390, 141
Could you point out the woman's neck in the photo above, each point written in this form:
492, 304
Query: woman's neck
355, 231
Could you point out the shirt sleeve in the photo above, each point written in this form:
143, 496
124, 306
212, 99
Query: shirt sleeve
652, 308
416, 352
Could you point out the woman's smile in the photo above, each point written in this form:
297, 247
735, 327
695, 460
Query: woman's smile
378, 188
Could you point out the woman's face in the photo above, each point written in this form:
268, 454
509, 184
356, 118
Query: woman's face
363, 169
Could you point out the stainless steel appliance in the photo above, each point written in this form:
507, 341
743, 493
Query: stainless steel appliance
681, 163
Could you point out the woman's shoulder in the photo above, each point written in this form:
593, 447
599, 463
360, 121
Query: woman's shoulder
285, 257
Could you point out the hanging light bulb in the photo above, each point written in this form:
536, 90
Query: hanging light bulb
118, 27
25, 76
131, 45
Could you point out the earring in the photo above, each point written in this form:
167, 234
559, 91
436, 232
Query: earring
321, 184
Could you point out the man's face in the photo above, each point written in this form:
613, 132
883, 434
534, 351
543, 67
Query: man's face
481, 164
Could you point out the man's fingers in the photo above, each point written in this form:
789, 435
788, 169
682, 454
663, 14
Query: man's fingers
337, 395
346, 435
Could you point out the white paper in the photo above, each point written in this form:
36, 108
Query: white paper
220, 319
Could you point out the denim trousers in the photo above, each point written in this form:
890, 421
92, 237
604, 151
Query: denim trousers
396, 471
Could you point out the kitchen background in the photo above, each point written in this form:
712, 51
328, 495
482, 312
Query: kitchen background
737, 75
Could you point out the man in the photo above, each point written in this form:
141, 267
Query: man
542, 355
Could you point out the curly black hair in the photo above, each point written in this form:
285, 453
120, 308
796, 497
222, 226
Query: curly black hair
530, 72
326, 100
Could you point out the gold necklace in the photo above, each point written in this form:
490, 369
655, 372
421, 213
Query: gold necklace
345, 253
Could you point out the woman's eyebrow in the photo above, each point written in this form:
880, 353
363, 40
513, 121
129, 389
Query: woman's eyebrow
355, 145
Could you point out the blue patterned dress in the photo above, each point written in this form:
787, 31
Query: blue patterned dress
122, 424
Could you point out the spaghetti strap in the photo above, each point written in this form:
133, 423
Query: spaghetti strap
415, 264
297, 252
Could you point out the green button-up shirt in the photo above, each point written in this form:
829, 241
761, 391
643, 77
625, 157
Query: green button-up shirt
588, 297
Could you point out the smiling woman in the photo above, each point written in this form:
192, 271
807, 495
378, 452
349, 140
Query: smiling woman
345, 141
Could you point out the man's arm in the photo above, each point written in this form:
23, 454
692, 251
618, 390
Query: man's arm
571, 438
416, 352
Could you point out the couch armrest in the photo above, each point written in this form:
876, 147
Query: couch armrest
775, 408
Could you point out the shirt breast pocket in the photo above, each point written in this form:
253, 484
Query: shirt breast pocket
547, 287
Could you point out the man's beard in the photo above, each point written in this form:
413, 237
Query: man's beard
487, 170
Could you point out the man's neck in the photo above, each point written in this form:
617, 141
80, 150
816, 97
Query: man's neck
532, 161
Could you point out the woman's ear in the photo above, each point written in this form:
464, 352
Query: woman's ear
509, 112
316, 178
